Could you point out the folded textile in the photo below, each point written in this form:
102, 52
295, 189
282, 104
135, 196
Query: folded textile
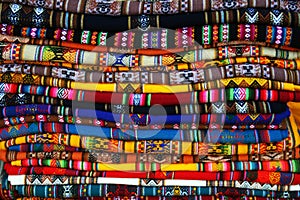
40, 17
292, 64
12, 121
208, 151
159, 198
27, 52
143, 51
144, 119
164, 146
111, 157
78, 100
207, 35
111, 190
89, 132
212, 197
156, 7
148, 99
248, 82
264, 177
229, 107
33, 74
114, 183
43, 147
202, 149
272, 166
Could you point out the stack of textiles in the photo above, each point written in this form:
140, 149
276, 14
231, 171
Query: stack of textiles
173, 99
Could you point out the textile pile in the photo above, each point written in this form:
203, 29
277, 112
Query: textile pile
170, 99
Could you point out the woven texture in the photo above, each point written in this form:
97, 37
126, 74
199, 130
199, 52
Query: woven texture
150, 100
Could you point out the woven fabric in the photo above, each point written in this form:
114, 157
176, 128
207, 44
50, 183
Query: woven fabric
147, 99
283, 178
143, 51
111, 157
189, 185
42, 147
138, 87
273, 62
206, 35
155, 7
111, 191
103, 100
268, 155
201, 149
229, 107
151, 198
18, 14
167, 146
11, 72
88, 133
144, 119
156, 198
28, 52
12, 121
270, 166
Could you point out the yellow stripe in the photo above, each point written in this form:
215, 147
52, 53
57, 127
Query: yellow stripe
16, 163
2, 145
151, 88
186, 148
241, 59
20, 140
74, 141
105, 87
129, 147
242, 149
179, 167
118, 167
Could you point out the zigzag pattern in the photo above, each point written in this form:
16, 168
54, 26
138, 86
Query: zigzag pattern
257, 186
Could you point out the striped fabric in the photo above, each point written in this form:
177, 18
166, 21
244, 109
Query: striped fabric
150, 100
